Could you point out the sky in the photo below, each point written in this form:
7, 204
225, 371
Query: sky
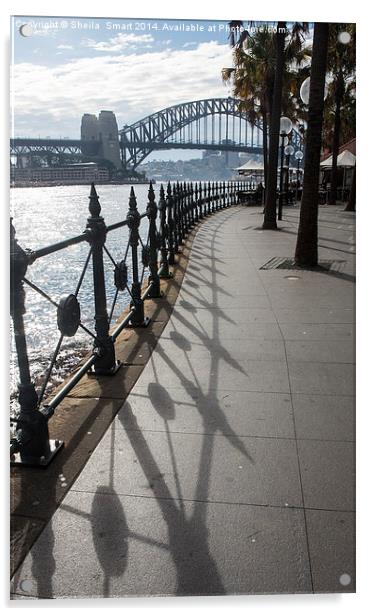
64, 67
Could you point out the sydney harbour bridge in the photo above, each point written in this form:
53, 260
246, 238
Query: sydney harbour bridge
208, 124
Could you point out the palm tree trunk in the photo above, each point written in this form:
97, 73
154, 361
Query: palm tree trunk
335, 150
270, 221
265, 146
351, 205
306, 253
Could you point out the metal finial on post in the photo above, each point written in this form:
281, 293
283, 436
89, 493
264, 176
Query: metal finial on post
96, 230
154, 280
94, 205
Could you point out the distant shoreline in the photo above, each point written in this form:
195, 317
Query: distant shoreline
52, 183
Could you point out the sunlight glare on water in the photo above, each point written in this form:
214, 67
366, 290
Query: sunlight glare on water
43, 216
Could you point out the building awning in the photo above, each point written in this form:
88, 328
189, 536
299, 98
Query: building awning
345, 159
251, 165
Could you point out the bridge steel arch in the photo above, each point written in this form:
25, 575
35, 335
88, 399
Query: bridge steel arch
153, 132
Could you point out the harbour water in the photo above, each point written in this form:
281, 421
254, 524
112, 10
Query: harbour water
43, 216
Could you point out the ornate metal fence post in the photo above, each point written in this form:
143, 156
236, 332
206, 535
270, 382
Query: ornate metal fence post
180, 214
154, 279
176, 218
199, 203
195, 203
185, 210
96, 231
170, 222
164, 266
133, 217
31, 443
224, 197
208, 198
191, 204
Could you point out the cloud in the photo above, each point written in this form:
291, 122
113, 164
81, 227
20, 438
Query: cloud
118, 43
132, 86
65, 47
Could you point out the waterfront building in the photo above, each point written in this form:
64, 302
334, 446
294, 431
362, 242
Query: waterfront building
68, 174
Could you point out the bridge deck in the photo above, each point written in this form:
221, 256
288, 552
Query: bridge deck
229, 467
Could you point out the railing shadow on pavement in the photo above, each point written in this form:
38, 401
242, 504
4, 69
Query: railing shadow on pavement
43, 570
183, 206
188, 533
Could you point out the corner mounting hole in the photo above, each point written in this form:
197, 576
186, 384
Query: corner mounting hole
26, 30
345, 579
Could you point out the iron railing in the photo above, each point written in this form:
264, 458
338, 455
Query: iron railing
183, 206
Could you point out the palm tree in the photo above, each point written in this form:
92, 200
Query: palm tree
270, 221
306, 254
341, 64
253, 77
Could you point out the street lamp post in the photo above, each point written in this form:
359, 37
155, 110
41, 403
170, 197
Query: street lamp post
289, 150
299, 156
285, 130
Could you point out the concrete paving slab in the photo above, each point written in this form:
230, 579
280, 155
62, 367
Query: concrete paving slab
199, 331
331, 537
158, 409
315, 331
23, 533
148, 547
322, 378
324, 417
327, 474
233, 316
212, 374
204, 298
315, 315
250, 348
320, 351
230, 469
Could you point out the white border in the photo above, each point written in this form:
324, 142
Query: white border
315, 10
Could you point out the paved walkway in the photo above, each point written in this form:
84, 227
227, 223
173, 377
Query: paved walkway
229, 469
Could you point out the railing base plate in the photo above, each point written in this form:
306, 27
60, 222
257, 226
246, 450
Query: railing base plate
164, 275
144, 323
112, 372
39, 462
155, 295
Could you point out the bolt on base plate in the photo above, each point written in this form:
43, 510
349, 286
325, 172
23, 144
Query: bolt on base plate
40, 462
165, 275
112, 372
144, 323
